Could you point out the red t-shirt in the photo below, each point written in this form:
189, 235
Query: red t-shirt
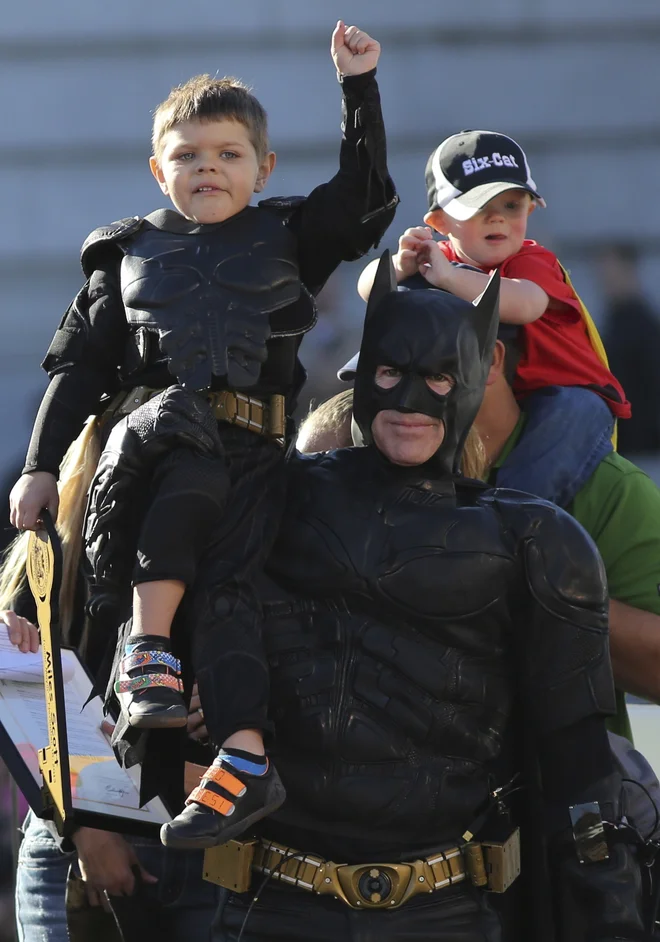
557, 350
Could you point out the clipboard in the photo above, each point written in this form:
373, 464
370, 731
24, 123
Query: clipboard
55, 750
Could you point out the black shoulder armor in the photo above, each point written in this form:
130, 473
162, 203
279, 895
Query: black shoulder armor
101, 237
565, 570
564, 641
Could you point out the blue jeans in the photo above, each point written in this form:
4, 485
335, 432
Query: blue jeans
567, 433
181, 900
284, 914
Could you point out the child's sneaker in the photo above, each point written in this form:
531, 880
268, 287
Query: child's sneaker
228, 800
149, 688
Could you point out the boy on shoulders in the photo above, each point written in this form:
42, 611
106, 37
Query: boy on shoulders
481, 194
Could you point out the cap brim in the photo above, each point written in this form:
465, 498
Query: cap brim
469, 204
348, 370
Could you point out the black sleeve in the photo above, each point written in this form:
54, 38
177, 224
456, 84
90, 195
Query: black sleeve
344, 218
567, 692
82, 362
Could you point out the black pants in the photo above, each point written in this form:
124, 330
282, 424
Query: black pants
211, 523
283, 914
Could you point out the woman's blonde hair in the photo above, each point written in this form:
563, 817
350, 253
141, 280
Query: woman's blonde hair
76, 474
474, 463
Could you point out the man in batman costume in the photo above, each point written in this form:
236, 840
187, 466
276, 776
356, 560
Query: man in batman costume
440, 674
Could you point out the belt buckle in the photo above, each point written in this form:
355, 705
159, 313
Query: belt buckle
382, 886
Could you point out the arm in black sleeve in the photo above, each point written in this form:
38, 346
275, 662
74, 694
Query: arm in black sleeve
82, 361
70, 398
344, 218
567, 693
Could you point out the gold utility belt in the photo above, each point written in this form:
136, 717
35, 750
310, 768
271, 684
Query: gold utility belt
493, 866
256, 415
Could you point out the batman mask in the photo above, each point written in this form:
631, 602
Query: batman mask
424, 334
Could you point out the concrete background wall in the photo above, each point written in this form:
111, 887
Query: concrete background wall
575, 83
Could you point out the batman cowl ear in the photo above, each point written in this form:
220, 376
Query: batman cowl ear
486, 315
384, 284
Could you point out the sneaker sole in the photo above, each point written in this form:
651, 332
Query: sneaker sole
228, 833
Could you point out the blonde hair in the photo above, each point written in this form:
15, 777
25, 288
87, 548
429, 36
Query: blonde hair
474, 462
76, 474
327, 425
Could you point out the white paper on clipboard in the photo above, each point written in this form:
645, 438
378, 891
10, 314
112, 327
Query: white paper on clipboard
98, 782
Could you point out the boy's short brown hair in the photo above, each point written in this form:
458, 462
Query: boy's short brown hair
204, 98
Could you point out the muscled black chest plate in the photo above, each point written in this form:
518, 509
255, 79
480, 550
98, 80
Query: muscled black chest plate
216, 295
428, 557
393, 666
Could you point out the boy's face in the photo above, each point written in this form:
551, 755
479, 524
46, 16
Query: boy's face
210, 169
493, 234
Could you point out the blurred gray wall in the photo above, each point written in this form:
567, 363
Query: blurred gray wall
576, 81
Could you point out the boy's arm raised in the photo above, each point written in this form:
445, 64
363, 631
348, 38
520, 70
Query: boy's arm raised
353, 51
342, 219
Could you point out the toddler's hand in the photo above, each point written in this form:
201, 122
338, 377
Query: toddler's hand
434, 265
31, 493
21, 632
353, 50
405, 261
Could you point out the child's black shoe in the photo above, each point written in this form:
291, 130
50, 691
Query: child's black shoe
149, 688
224, 805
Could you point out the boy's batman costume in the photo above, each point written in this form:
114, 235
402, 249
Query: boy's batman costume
196, 329
429, 640
170, 301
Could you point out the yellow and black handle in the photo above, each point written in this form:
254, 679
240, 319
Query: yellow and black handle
44, 572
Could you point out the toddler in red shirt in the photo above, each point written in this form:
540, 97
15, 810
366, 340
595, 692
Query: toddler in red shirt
481, 194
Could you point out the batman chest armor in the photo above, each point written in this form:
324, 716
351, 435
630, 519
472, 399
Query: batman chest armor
215, 296
391, 662
426, 557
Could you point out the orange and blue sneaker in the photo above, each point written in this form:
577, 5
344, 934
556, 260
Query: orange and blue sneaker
238, 790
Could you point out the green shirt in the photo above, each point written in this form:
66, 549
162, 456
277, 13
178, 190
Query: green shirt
619, 507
